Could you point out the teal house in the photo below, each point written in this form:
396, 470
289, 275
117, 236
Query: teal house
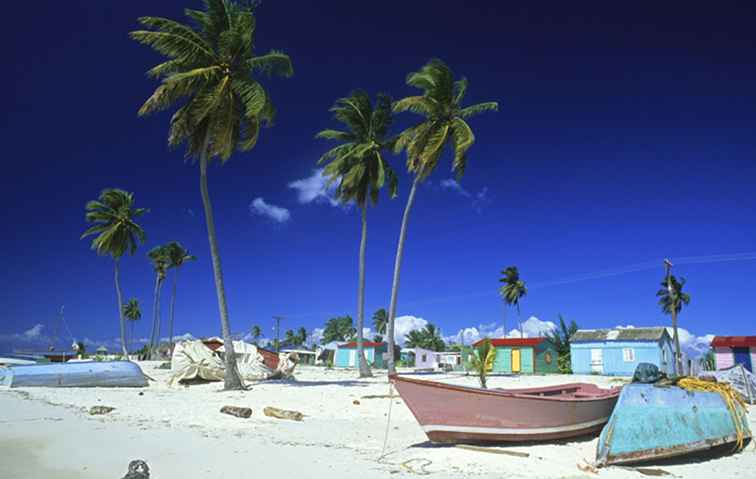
346, 354
523, 356
616, 352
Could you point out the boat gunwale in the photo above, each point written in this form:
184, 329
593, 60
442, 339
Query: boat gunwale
508, 393
647, 455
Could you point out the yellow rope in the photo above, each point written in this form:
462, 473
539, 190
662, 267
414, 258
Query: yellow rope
732, 399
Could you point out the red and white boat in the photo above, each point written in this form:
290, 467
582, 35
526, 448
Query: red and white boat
449, 413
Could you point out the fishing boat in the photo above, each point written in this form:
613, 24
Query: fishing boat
79, 374
652, 422
457, 414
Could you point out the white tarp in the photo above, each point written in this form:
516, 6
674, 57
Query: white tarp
742, 380
192, 359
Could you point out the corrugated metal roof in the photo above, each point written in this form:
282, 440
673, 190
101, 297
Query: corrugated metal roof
621, 334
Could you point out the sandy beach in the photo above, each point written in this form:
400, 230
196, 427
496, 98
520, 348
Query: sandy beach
47, 432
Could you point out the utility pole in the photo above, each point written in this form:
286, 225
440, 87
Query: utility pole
278, 320
673, 309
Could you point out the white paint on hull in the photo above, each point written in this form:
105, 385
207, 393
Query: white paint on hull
513, 430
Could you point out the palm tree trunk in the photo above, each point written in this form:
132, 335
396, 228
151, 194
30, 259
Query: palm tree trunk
397, 271
131, 335
150, 351
232, 380
156, 351
122, 321
364, 368
171, 308
678, 358
519, 320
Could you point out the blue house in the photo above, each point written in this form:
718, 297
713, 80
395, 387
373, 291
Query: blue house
616, 352
346, 354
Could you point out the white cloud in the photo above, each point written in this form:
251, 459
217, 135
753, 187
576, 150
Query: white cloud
276, 213
479, 199
315, 188
691, 345
532, 328
451, 184
316, 335
34, 332
404, 324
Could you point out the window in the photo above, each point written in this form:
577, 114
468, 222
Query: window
628, 355
423, 358
547, 357
664, 355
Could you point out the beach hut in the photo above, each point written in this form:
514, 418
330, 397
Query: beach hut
616, 352
522, 356
407, 357
733, 350
425, 359
346, 354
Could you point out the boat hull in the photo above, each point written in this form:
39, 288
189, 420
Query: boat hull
80, 374
458, 414
659, 422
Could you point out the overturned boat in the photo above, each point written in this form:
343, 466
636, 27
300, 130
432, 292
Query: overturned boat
457, 414
79, 374
653, 421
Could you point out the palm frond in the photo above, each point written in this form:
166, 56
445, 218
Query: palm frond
273, 63
478, 109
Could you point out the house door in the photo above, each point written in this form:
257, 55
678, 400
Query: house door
743, 356
516, 361
352, 357
597, 361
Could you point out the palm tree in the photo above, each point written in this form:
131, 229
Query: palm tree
290, 339
256, 333
209, 71
301, 336
427, 338
513, 290
133, 313
444, 124
380, 318
160, 262
360, 170
482, 361
338, 329
113, 217
560, 338
177, 256
671, 299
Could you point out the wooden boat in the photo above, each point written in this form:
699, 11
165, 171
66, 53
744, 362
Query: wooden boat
653, 422
80, 374
449, 413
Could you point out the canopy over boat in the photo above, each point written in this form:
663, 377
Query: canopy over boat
80, 374
655, 422
450, 413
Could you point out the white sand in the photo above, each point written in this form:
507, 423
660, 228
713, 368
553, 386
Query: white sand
46, 432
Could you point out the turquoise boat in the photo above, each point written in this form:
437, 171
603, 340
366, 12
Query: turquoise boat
652, 422
74, 374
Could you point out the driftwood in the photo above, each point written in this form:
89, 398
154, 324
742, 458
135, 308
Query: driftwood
243, 412
97, 410
493, 451
283, 414
356, 402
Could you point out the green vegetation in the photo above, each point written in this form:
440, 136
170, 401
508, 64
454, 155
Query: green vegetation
113, 218
358, 168
560, 338
133, 313
482, 360
427, 338
158, 256
513, 290
177, 256
671, 300
339, 329
219, 107
443, 124
256, 332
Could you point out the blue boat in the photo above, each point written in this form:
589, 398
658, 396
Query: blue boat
74, 374
652, 422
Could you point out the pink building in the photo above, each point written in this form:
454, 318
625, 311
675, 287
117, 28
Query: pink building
733, 350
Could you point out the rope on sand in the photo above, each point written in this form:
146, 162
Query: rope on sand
388, 422
734, 403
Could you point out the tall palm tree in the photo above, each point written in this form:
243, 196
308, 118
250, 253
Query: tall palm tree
444, 124
256, 333
672, 299
513, 290
160, 262
380, 318
133, 313
113, 217
359, 168
208, 73
177, 256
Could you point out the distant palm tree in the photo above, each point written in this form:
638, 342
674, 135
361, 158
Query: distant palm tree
513, 290
113, 217
177, 256
380, 319
256, 333
482, 360
672, 299
359, 169
133, 313
301, 336
209, 67
427, 338
290, 338
560, 338
444, 124
339, 328
160, 262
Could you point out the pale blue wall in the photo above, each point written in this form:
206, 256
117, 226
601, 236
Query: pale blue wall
613, 360
341, 359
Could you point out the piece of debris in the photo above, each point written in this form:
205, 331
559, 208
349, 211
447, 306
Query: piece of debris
243, 412
493, 451
356, 402
97, 410
141, 393
647, 471
283, 414
138, 469
587, 467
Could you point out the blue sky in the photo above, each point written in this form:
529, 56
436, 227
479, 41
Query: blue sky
625, 135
